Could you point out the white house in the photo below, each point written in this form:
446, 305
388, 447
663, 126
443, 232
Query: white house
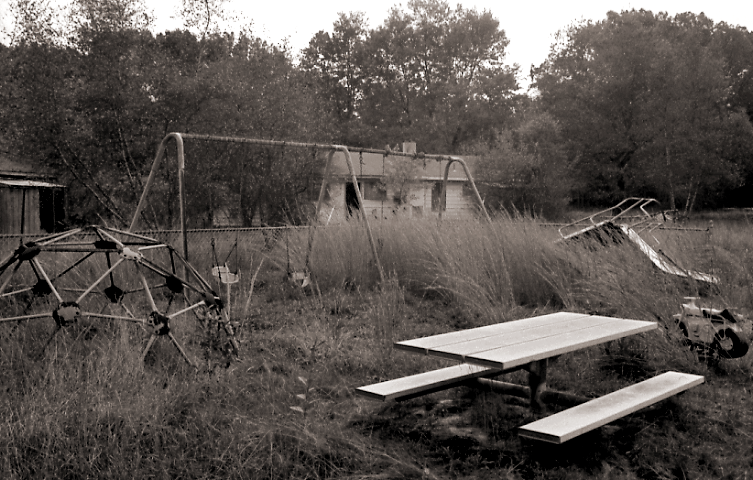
396, 186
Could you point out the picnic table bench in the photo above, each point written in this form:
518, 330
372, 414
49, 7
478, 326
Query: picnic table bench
528, 344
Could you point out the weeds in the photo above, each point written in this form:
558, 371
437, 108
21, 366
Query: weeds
88, 407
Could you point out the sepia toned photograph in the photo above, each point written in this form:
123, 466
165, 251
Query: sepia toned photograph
376, 240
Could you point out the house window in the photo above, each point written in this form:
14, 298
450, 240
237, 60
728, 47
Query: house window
373, 191
468, 190
436, 194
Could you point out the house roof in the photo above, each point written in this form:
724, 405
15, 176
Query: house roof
375, 165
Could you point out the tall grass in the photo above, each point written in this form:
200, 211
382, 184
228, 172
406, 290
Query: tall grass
88, 407
500, 270
515, 261
490, 268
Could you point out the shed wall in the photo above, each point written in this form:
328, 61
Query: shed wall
11, 206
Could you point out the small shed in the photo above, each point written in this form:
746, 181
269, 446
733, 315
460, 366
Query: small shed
396, 186
30, 202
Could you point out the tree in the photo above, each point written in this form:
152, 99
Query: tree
95, 108
433, 74
643, 103
34, 22
437, 76
338, 61
524, 167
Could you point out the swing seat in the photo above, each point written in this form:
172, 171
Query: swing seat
301, 279
225, 275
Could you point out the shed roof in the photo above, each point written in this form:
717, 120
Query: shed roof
28, 184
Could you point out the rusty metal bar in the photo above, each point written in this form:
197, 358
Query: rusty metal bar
16, 292
26, 317
114, 317
319, 202
181, 189
365, 219
10, 277
443, 195
187, 309
48, 240
39, 268
102, 277
180, 349
130, 234
324, 146
146, 289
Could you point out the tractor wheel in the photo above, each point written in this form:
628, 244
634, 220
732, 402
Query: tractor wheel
728, 345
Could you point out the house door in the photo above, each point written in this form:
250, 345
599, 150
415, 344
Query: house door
351, 198
436, 196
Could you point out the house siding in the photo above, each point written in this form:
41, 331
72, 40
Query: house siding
370, 168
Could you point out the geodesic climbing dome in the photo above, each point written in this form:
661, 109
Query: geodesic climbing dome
105, 274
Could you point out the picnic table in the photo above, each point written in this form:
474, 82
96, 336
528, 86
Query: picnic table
528, 344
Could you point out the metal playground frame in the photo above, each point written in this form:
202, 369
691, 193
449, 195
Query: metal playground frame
163, 277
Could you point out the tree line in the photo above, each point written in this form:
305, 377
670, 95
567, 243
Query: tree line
635, 104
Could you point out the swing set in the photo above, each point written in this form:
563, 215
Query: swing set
331, 149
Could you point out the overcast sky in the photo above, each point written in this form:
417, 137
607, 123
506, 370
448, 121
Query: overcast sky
529, 25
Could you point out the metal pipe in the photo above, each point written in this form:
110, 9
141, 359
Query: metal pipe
57, 238
146, 289
187, 309
131, 234
115, 240
364, 217
113, 317
149, 181
182, 192
104, 275
10, 277
280, 143
25, 317
36, 264
443, 199
180, 349
319, 202
548, 396
10, 294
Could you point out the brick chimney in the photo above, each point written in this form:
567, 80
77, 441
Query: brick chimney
409, 147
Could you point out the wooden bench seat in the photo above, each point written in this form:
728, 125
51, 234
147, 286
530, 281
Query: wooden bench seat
595, 413
425, 383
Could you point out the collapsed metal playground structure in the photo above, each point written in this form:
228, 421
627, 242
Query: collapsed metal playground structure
163, 285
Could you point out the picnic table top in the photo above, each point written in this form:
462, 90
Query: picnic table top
513, 344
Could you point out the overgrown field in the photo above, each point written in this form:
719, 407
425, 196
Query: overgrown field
86, 406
